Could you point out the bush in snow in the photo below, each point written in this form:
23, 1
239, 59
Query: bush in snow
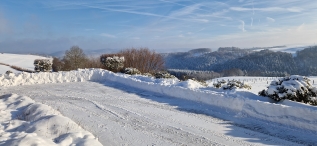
58, 65
147, 74
159, 75
143, 59
43, 65
131, 71
112, 62
219, 83
295, 88
233, 84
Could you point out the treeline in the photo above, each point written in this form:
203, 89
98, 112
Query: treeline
270, 63
189, 74
306, 61
133, 61
75, 58
205, 60
234, 61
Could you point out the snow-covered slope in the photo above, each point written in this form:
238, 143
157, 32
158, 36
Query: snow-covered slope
4, 68
287, 112
19, 60
287, 49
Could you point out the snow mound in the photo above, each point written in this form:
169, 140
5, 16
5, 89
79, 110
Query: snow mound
24, 122
236, 101
190, 84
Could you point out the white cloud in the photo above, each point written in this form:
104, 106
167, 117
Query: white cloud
242, 26
185, 11
294, 9
175, 15
301, 27
267, 9
108, 35
286, 36
217, 14
270, 19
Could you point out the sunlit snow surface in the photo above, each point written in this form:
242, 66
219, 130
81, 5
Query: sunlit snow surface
120, 109
19, 60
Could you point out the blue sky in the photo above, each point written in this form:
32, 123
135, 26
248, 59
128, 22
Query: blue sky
53, 25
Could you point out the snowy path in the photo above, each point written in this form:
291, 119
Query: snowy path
121, 115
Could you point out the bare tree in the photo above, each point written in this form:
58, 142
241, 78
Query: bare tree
143, 59
93, 62
74, 58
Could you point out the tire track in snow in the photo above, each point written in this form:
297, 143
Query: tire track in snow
139, 123
171, 129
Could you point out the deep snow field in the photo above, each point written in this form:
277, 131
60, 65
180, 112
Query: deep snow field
20, 60
98, 107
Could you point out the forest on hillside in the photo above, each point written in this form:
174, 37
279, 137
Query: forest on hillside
234, 61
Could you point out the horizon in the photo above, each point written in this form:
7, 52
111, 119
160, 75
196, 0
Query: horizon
52, 26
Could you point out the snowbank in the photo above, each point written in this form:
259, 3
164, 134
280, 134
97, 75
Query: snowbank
240, 102
24, 122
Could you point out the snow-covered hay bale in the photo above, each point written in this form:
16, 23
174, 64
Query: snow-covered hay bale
233, 84
42, 65
295, 88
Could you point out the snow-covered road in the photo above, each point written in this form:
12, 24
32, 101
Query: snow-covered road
122, 115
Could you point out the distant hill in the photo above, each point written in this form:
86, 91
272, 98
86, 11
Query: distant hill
201, 59
200, 50
270, 61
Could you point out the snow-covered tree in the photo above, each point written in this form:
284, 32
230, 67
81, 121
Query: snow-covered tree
295, 88
112, 63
